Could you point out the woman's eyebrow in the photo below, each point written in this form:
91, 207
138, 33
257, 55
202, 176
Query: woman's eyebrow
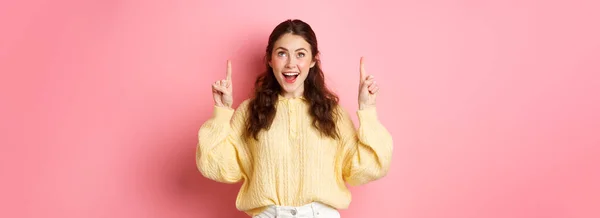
282, 48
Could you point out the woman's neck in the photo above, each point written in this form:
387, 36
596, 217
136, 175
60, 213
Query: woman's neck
296, 94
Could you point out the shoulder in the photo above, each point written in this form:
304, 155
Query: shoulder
240, 114
341, 114
244, 103
243, 107
343, 121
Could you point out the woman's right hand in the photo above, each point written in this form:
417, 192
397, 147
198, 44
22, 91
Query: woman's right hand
223, 90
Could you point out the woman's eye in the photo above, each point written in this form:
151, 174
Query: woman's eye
281, 54
301, 55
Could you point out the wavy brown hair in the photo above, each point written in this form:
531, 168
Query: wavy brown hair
323, 103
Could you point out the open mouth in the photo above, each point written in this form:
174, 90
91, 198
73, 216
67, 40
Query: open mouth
290, 77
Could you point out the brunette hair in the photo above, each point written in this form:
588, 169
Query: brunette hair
323, 102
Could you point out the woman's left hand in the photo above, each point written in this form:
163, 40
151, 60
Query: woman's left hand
368, 89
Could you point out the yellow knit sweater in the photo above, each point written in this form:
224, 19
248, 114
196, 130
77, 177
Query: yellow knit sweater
292, 164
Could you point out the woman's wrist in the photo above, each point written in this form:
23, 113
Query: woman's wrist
365, 106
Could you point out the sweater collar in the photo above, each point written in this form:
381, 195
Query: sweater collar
281, 98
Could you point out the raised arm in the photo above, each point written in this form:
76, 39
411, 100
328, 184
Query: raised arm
368, 150
221, 153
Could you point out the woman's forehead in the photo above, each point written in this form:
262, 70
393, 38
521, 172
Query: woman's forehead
291, 42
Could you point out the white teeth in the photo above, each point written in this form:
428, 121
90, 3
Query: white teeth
290, 74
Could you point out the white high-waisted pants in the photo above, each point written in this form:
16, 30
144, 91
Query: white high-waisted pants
312, 210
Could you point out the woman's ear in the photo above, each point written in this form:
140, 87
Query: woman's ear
314, 61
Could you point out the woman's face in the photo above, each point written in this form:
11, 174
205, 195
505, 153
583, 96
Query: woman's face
291, 59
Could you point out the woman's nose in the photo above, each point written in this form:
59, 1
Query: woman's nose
291, 63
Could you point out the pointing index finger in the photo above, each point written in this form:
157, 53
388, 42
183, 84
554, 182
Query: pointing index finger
228, 70
362, 69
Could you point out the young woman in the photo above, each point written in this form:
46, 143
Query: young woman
293, 146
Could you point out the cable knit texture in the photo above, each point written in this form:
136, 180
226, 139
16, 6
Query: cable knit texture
292, 164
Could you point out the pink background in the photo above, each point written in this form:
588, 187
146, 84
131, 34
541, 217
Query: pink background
494, 107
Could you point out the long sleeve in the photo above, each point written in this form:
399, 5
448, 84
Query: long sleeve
291, 163
220, 152
368, 150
